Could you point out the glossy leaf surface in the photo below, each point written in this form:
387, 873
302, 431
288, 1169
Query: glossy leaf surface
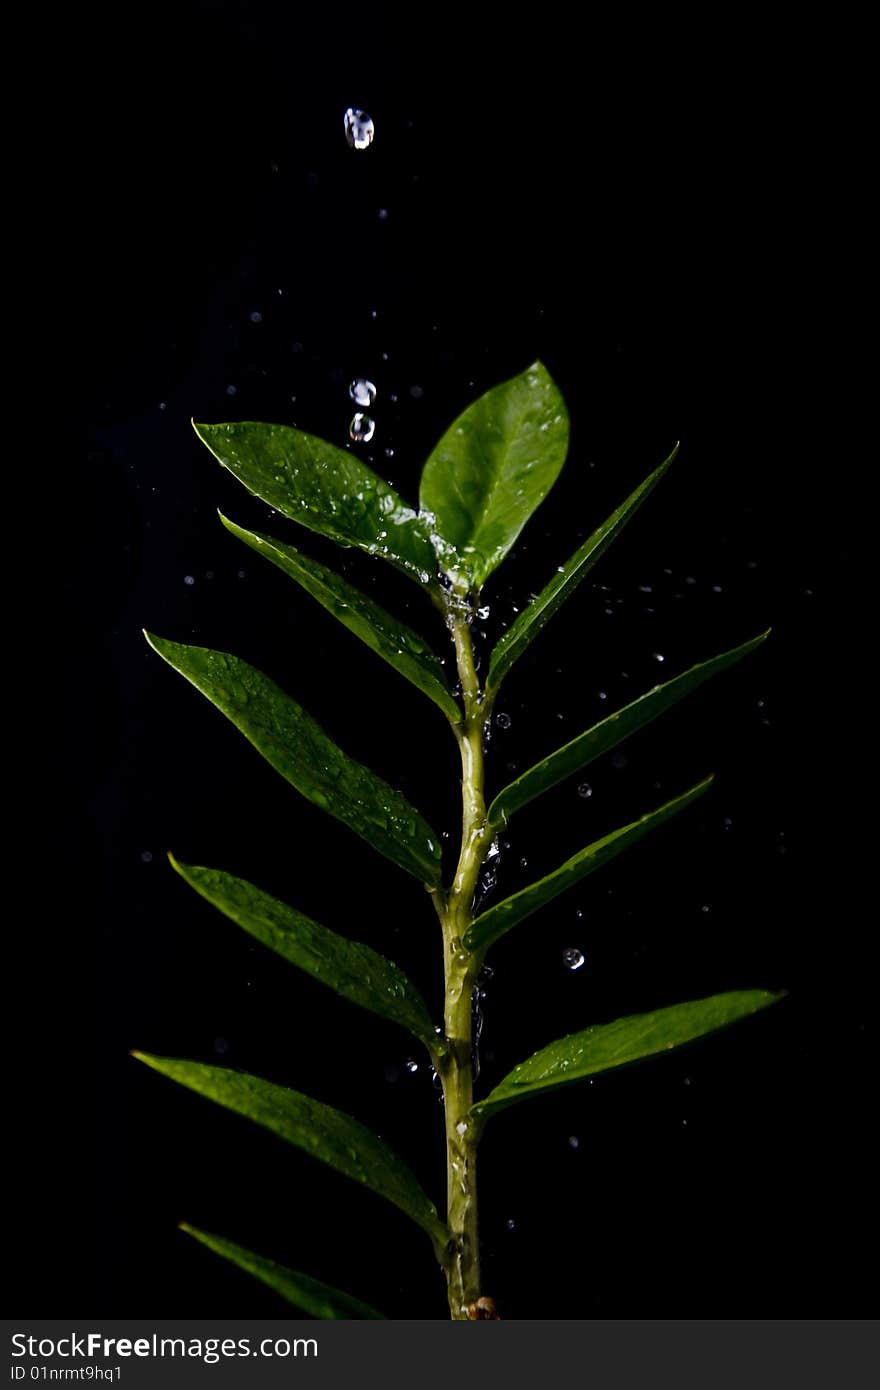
526, 626
609, 1045
392, 640
602, 737
324, 488
335, 1138
298, 748
351, 968
310, 1295
499, 919
492, 468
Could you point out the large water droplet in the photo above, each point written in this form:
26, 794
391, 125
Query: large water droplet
359, 128
572, 958
362, 428
362, 392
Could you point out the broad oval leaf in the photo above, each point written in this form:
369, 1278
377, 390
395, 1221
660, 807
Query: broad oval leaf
525, 628
392, 640
351, 968
298, 748
312, 1296
335, 1138
609, 1045
326, 489
499, 919
490, 471
574, 756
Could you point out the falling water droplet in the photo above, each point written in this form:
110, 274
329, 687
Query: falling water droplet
146, 856
359, 128
411, 1064
510, 1224
572, 958
658, 656
585, 790
573, 1141
189, 580
362, 392
362, 428
503, 721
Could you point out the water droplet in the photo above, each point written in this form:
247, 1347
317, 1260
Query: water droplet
256, 316
573, 1141
483, 612
359, 128
189, 579
416, 392
411, 1064
510, 1224
618, 760
383, 214
362, 392
705, 907
658, 656
461, 1127
362, 428
503, 721
146, 856
573, 958
232, 390
585, 790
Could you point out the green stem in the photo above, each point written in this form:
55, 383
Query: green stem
460, 972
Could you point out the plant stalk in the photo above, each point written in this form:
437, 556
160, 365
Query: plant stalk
461, 968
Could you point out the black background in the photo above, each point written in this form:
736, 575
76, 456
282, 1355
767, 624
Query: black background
640, 207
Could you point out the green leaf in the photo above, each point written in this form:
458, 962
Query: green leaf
574, 756
297, 747
525, 628
327, 489
392, 640
499, 919
310, 1295
609, 1045
338, 1140
351, 968
490, 471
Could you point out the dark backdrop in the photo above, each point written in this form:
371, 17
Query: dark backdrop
635, 206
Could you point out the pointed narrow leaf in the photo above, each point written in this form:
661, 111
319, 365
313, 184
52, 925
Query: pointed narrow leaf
326, 489
297, 747
574, 756
499, 919
351, 968
491, 469
392, 640
608, 1045
531, 620
317, 1299
335, 1138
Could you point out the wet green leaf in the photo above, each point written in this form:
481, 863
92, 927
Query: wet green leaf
608, 1045
499, 919
297, 747
326, 489
349, 967
574, 756
392, 640
526, 626
310, 1295
336, 1139
492, 468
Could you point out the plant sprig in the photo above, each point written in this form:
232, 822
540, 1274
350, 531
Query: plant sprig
480, 485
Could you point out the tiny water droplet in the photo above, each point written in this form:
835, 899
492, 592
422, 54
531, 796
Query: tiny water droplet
503, 721
524, 863
359, 128
572, 958
461, 1127
585, 790
362, 428
232, 390
411, 1064
146, 856
189, 579
483, 612
510, 1224
256, 316
573, 1141
362, 392
416, 392
658, 656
